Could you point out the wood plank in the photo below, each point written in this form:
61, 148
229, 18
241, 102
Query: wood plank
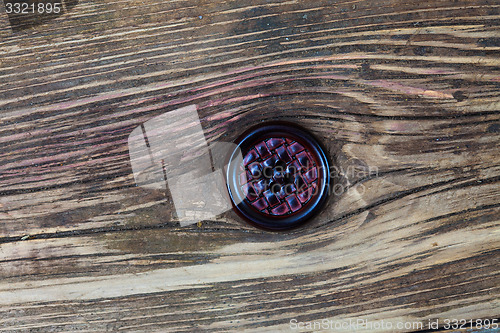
404, 95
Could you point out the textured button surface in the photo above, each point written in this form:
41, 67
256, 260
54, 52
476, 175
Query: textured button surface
283, 179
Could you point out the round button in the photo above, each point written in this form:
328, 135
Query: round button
282, 180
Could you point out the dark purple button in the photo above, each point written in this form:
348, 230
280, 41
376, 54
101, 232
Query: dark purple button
281, 209
271, 161
305, 195
304, 160
250, 157
274, 142
311, 175
261, 186
295, 148
262, 150
283, 154
284, 178
254, 169
294, 203
271, 198
260, 204
250, 192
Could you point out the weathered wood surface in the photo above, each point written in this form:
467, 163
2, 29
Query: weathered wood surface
406, 89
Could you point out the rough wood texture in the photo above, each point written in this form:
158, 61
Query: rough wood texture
406, 89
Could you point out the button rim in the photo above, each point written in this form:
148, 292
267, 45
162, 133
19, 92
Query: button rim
245, 143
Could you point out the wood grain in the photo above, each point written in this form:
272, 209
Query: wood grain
404, 95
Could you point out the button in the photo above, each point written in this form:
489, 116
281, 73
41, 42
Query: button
282, 180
